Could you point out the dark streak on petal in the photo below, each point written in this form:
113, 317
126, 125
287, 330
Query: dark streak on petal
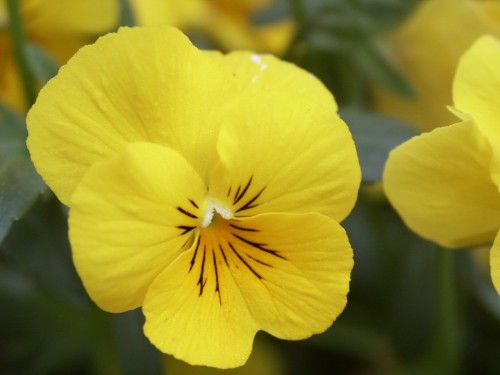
189, 214
202, 282
259, 261
223, 255
217, 290
237, 197
185, 228
244, 229
193, 203
229, 192
195, 252
244, 261
249, 205
258, 246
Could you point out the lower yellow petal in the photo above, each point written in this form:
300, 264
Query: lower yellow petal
441, 186
287, 274
283, 153
495, 263
195, 311
130, 217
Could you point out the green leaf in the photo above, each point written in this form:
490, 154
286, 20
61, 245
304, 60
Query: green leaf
12, 134
127, 17
43, 65
372, 62
136, 354
20, 186
375, 136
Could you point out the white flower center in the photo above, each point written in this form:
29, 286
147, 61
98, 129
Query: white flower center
210, 211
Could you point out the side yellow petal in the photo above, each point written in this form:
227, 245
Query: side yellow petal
283, 153
476, 88
140, 84
263, 72
441, 186
130, 217
495, 263
294, 271
195, 311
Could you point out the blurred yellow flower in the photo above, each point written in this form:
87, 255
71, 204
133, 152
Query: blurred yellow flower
59, 27
445, 184
228, 23
205, 188
427, 48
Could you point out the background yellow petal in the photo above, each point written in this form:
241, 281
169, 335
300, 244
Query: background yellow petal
427, 48
63, 26
198, 324
268, 73
440, 184
142, 84
303, 263
127, 222
283, 153
476, 88
495, 263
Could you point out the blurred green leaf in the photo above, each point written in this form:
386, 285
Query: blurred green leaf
127, 17
136, 354
375, 136
48, 325
43, 66
378, 67
20, 185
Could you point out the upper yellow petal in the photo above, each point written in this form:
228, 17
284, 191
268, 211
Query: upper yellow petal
283, 153
476, 88
130, 217
140, 84
262, 72
441, 186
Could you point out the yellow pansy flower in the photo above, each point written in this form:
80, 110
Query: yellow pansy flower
205, 188
426, 48
445, 184
59, 27
228, 23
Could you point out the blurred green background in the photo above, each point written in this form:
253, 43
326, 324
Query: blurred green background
413, 308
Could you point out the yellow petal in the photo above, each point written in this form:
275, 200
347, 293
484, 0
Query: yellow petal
476, 88
495, 263
284, 273
297, 271
195, 311
268, 73
283, 153
426, 48
130, 217
440, 184
141, 84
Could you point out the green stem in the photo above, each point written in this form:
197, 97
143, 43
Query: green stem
447, 332
18, 41
299, 13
